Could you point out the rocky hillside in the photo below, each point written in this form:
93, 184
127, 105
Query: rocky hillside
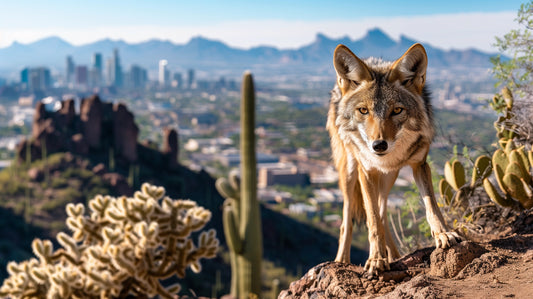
496, 268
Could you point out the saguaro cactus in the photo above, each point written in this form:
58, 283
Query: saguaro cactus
241, 215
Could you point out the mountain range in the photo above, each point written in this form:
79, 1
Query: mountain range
207, 54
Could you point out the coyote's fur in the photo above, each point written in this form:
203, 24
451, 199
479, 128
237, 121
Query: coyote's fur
380, 120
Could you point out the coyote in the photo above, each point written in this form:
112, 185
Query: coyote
380, 120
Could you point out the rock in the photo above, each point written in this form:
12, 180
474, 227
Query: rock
125, 133
79, 145
91, 120
38, 118
486, 263
447, 263
417, 288
119, 183
170, 146
99, 169
36, 174
66, 115
22, 152
334, 280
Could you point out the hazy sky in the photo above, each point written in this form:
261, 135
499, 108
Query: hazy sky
457, 24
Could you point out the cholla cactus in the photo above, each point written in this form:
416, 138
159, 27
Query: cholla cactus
125, 246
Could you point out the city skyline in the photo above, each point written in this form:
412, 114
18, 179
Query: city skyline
453, 24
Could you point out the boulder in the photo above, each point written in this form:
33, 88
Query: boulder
447, 263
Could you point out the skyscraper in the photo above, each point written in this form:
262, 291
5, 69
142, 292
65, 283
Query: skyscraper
24, 76
69, 78
178, 81
190, 79
138, 77
164, 74
96, 70
114, 69
81, 76
36, 78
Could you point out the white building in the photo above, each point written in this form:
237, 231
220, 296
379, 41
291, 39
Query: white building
164, 73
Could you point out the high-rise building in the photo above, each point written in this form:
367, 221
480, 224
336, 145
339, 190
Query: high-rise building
191, 80
178, 81
164, 74
36, 78
69, 78
82, 78
95, 77
114, 69
25, 76
138, 77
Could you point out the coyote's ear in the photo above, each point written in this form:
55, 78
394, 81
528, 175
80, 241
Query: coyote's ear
410, 69
351, 70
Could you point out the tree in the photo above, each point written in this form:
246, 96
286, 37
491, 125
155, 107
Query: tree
517, 72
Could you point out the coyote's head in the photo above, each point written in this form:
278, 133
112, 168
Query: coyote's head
382, 107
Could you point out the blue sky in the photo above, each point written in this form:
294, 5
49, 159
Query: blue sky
447, 24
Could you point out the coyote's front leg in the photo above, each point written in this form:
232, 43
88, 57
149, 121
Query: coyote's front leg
348, 185
444, 237
377, 256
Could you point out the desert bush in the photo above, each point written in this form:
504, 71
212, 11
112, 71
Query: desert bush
123, 247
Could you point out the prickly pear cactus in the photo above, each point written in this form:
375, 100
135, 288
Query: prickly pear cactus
511, 165
122, 248
241, 215
512, 169
503, 103
454, 188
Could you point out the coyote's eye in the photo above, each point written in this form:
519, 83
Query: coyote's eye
397, 110
363, 110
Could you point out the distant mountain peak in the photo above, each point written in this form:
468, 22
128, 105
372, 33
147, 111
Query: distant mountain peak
322, 36
378, 37
200, 52
405, 40
50, 41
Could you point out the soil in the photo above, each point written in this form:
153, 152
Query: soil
497, 268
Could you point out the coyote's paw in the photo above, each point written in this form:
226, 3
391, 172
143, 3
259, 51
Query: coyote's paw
447, 239
375, 265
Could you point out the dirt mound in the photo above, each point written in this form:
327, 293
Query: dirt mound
492, 269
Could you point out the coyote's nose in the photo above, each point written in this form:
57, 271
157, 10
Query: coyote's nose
379, 146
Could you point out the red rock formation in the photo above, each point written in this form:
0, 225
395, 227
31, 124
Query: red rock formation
91, 120
170, 146
125, 133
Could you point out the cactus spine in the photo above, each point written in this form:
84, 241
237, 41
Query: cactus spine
241, 214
